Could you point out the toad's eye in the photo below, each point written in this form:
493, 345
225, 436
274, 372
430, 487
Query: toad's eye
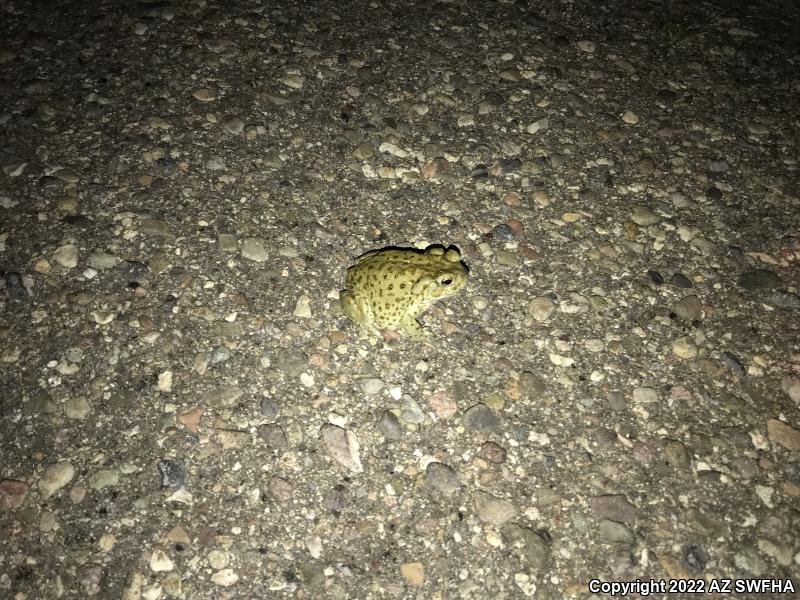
446, 281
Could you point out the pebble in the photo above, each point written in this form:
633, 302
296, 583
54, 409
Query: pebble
644, 395
791, 387
13, 493
77, 407
254, 249
273, 436
541, 308
783, 434
492, 510
173, 473
15, 286
443, 404
481, 419
389, 426
224, 395
750, 561
689, 308
676, 454
443, 478
302, 308
413, 573
537, 126
684, 348
104, 478
530, 546
156, 227
411, 411
15, 169
343, 446
219, 559
612, 532
630, 117
371, 385
204, 95
614, 507
759, 279
66, 256
55, 477
679, 280
503, 232
103, 317
233, 125
644, 215
493, 453
291, 362
102, 260
219, 354
225, 577
363, 152
280, 488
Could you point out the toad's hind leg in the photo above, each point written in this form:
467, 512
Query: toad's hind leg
355, 311
412, 328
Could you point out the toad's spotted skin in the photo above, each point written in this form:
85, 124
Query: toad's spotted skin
390, 288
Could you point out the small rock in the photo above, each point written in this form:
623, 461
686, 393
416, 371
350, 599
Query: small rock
644, 395
273, 435
102, 260
103, 317
280, 488
55, 477
204, 95
104, 478
493, 452
15, 286
13, 493
389, 426
77, 408
66, 256
156, 227
541, 308
173, 473
612, 532
529, 545
492, 510
219, 559
689, 308
225, 577
413, 573
481, 419
630, 117
791, 387
676, 454
783, 434
302, 307
684, 348
233, 125
613, 506
643, 215
679, 280
759, 279
371, 385
750, 561
443, 478
253, 248
342, 445
159, 561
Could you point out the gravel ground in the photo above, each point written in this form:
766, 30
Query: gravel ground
614, 396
